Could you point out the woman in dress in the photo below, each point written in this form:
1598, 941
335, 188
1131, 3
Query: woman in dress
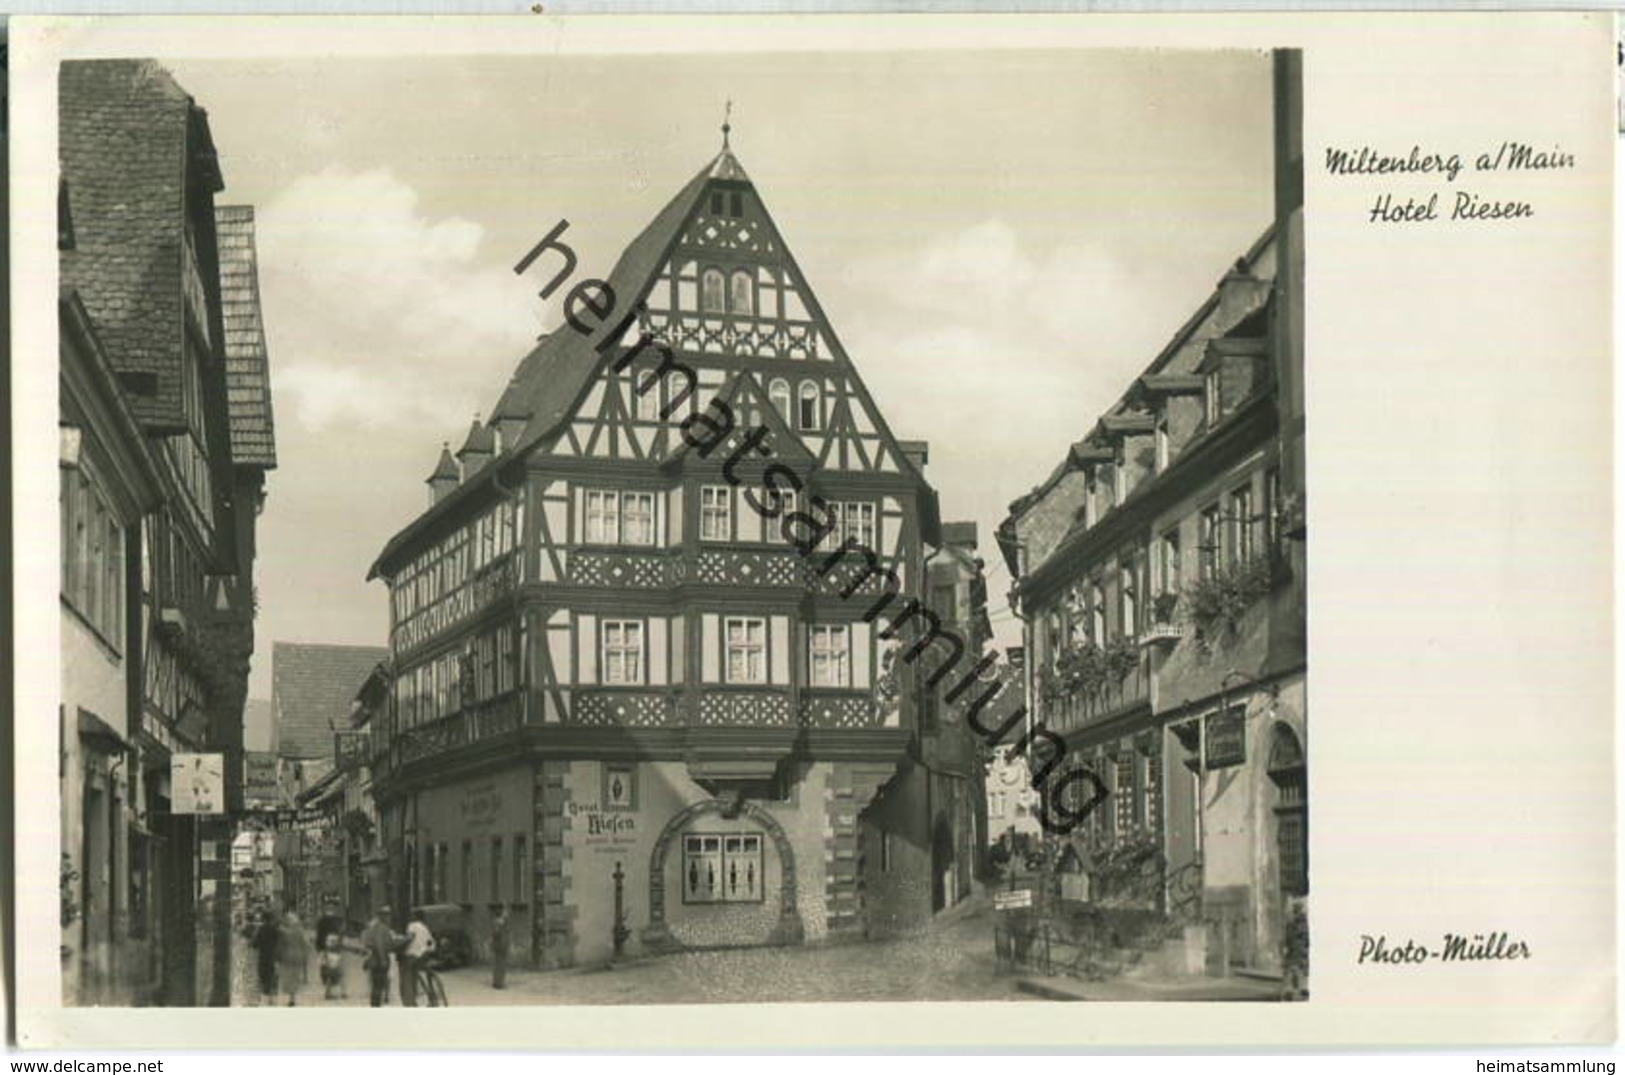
293, 957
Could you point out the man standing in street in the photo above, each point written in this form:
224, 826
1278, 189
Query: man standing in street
378, 941
419, 943
499, 947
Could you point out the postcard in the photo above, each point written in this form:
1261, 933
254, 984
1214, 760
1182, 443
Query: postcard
815, 530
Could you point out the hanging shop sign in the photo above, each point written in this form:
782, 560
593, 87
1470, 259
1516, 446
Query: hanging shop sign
259, 779
1226, 738
350, 750
197, 784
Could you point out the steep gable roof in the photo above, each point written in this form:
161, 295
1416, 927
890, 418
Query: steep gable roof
313, 687
551, 379
248, 385
128, 138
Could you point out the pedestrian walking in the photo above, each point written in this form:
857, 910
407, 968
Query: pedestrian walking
266, 939
378, 940
499, 947
293, 958
330, 922
419, 943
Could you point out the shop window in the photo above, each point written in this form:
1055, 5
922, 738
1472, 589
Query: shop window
722, 868
496, 869
747, 649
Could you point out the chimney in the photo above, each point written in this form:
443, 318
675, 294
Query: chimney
960, 535
478, 448
917, 451
445, 478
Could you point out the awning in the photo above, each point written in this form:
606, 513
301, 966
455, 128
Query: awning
103, 735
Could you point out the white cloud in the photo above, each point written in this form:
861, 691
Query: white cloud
379, 314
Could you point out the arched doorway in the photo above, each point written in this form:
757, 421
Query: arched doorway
1288, 773
657, 935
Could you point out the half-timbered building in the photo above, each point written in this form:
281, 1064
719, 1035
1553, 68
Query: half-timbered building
636, 696
1160, 574
168, 435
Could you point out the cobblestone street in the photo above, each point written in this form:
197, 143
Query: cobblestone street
951, 962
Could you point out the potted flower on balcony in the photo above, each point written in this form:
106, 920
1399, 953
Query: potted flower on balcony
1163, 627
1216, 604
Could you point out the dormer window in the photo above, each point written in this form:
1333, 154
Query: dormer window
1210, 397
736, 204
711, 296
742, 295
1161, 437
716, 203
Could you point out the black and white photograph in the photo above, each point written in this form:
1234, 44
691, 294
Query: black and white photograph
736, 526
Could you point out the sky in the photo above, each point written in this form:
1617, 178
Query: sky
1001, 241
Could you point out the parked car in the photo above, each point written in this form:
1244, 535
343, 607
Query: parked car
453, 939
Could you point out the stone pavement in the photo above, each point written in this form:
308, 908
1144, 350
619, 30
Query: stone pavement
953, 961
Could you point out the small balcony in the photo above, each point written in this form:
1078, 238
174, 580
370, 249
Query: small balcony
1090, 683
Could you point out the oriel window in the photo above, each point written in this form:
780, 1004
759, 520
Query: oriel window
747, 649
829, 647
716, 513
623, 651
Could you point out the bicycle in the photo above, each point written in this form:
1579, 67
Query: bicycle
429, 984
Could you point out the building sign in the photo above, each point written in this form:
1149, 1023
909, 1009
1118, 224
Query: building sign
197, 783
1013, 901
481, 806
350, 750
604, 830
1226, 738
259, 779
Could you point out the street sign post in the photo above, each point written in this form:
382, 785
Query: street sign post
1016, 900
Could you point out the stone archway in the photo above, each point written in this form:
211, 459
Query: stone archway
657, 934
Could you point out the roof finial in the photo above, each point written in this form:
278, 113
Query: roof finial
727, 114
